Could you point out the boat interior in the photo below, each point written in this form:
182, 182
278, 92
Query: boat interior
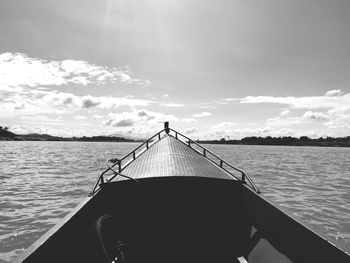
161, 220
180, 219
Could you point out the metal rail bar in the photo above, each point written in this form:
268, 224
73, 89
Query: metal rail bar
125, 161
132, 156
245, 177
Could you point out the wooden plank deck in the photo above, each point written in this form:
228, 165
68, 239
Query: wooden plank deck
170, 157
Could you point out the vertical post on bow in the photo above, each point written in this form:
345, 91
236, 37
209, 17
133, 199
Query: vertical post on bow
166, 127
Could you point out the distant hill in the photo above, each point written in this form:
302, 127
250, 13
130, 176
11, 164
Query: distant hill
6, 135
40, 137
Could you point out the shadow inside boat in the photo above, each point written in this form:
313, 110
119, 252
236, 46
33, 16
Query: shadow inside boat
180, 219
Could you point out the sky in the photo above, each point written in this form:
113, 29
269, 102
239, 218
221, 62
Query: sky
213, 69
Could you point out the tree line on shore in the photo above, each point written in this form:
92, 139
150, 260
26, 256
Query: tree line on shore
287, 140
5, 134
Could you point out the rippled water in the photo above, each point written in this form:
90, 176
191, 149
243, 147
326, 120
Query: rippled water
40, 182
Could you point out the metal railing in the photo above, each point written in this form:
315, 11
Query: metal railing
245, 178
116, 166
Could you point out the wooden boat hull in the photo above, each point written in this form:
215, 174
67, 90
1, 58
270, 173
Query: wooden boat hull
185, 219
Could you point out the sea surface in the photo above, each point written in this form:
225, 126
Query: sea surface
40, 182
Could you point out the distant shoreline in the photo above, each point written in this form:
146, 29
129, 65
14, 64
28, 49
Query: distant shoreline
45, 138
6, 135
284, 141
311, 145
276, 141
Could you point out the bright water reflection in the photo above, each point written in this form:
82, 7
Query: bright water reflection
40, 182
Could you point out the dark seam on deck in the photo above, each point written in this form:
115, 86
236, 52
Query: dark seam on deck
170, 157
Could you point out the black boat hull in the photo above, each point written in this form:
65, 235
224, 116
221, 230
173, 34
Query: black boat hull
185, 219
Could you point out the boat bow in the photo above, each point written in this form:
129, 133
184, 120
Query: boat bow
170, 153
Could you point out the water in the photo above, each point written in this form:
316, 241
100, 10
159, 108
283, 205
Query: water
40, 182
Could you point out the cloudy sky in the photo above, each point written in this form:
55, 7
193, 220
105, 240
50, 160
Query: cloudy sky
212, 68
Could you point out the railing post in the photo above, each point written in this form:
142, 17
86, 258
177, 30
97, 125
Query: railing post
147, 144
189, 142
102, 179
166, 127
120, 166
133, 155
221, 163
176, 135
243, 176
158, 136
204, 153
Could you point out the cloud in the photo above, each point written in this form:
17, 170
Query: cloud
136, 132
288, 121
89, 102
264, 131
285, 120
42, 119
315, 115
191, 130
97, 117
24, 130
339, 118
312, 102
67, 101
127, 101
336, 118
207, 107
332, 109
333, 93
120, 123
65, 131
172, 105
202, 114
284, 113
238, 133
230, 99
189, 120
53, 102
229, 129
17, 106
80, 117
137, 118
20, 106
223, 125
55, 98
17, 69
22, 79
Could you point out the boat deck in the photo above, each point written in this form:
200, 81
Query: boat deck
171, 157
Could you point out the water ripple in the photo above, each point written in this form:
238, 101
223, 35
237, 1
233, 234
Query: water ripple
312, 183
